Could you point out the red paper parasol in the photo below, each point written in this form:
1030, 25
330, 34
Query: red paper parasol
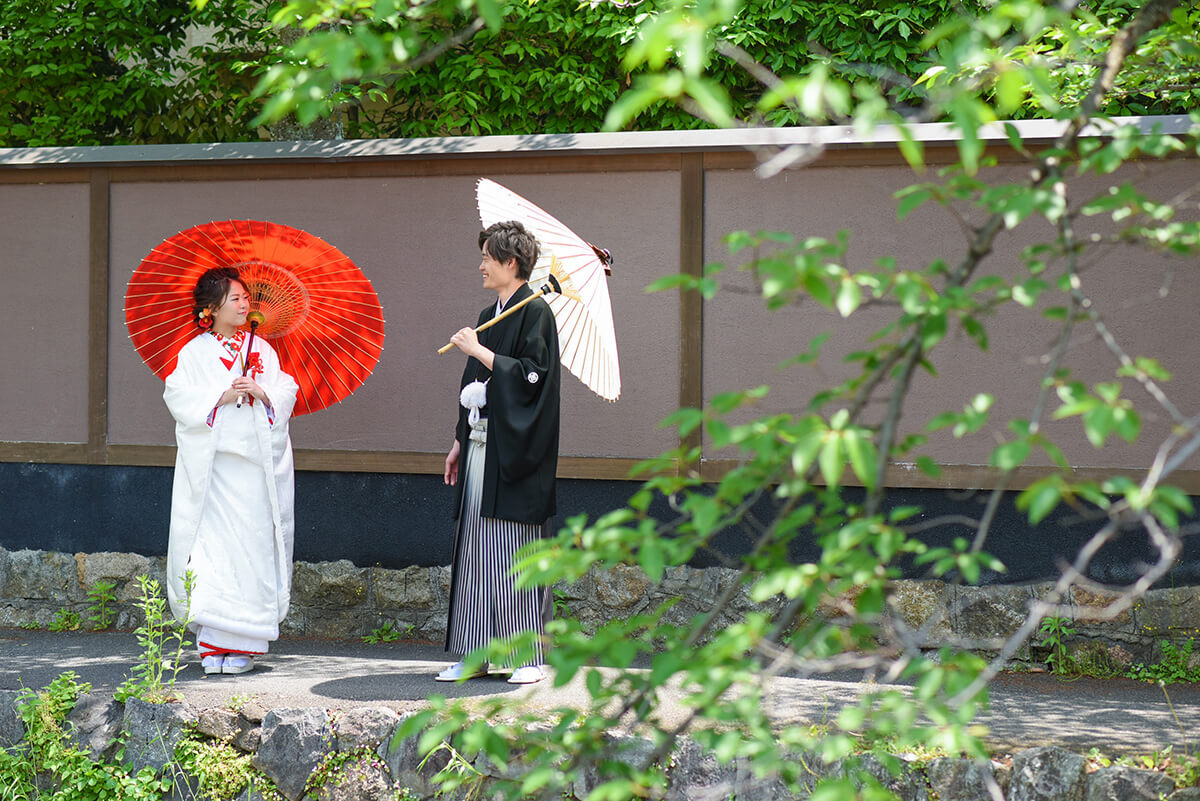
319, 311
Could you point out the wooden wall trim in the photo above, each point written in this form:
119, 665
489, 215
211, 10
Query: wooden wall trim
954, 476
44, 452
691, 304
311, 459
98, 272
976, 476
406, 168
43, 175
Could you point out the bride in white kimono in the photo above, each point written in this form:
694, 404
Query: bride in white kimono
231, 505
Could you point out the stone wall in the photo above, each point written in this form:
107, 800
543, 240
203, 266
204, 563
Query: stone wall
315, 755
340, 599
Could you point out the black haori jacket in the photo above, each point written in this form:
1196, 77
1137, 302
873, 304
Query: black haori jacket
522, 410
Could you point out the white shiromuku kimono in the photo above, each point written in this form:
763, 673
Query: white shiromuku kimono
231, 505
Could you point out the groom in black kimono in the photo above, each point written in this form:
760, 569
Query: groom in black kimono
504, 457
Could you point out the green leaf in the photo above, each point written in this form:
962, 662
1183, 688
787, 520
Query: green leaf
1011, 455
863, 455
805, 451
849, 295
1147, 366
912, 149
1040, 498
929, 467
672, 282
834, 790
687, 420
1011, 87
832, 459
933, 329
817, 288
1098, 423
912, 198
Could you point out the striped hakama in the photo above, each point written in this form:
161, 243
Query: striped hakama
484, 601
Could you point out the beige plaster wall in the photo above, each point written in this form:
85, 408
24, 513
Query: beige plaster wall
744, 344
44, 312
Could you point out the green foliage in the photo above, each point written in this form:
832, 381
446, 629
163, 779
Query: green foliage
1176, 665
123, 72
46, 764
387, 632
1183, 769
557, 67
137, 71
1055, 632
562, 604
237, 702
436, 69
162, 639
327, 775
65, 620
100, 613
220, 771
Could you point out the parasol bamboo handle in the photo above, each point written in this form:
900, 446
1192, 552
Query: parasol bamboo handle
547, 288
249, 348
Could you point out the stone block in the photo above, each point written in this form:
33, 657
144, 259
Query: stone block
3, 572
908, 784
409, 767
1185, 794
432, 628
122, 569
21, 613
749, 787
43, 575
358, 780
696, 775
410, 588
837, 608
688, 582
253, 711
330, 623
153, 732
294, 742
95, 724
621, 589
1122, 783
184, 786
1090, 606
1047, 773
220, 724
632, 751
12, 728
441, 580
921, 603
363, 726
965, 780
984, 613
248, 739
330, 585
1172, 614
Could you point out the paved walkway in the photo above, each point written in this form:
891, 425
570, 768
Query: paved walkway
1117, 716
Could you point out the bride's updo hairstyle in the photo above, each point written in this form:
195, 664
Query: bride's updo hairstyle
210, 292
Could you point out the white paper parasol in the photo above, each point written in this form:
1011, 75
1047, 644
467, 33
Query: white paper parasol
587, 339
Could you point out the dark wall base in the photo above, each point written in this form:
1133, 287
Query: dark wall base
397, 520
